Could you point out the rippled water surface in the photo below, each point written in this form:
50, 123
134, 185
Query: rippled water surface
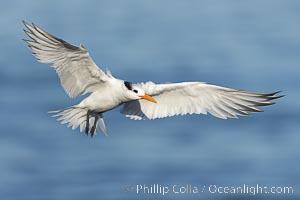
251, 45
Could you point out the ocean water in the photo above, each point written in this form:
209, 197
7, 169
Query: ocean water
251, 45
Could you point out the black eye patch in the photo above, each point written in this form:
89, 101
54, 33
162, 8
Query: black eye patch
128, 85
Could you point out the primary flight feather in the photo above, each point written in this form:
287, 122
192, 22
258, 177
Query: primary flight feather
80, 75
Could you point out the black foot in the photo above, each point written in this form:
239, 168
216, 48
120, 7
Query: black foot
95, 125
87, 127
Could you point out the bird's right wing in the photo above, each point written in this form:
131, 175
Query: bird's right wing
195, 98
77, 71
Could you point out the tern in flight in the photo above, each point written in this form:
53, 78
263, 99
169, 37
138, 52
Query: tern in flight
79, 75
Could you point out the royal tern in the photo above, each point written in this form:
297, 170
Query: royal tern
79, 75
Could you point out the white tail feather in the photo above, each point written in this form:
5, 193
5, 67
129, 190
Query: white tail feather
76, 117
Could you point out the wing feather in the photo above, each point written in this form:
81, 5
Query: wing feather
77, 71
195, 98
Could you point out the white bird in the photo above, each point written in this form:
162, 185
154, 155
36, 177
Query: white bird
79, 75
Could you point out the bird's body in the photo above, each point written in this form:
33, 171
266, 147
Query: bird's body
80, 75
104, 98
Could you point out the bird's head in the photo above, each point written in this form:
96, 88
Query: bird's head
134, 92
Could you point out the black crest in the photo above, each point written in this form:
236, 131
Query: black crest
128, 85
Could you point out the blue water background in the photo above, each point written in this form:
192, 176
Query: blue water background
252, 45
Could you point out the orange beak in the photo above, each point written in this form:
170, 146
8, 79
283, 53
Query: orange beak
149, 98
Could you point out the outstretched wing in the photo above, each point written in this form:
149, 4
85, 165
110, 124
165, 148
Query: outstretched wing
195, 98
77, 71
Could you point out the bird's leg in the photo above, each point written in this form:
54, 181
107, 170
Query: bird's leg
87, 127
95, 125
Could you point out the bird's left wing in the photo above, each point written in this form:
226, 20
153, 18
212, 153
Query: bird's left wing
195, 98
77, 71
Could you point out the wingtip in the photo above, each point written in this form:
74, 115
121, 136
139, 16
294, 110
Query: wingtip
272, 96
53, 111
34, 25
25, 31
274, 93
280, 96
26, 24
276, 97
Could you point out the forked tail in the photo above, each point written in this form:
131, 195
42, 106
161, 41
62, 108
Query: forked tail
86, 120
